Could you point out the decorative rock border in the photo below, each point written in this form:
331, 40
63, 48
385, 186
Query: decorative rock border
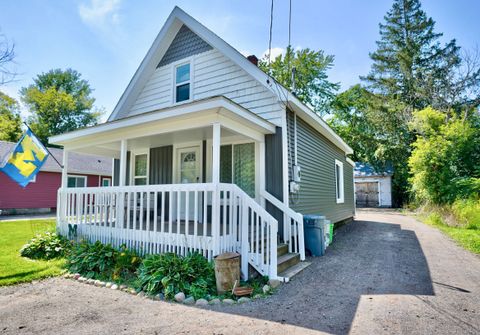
179, 297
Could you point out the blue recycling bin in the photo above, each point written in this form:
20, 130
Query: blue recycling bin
314, 234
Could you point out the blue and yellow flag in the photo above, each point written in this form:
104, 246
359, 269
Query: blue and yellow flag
26, 159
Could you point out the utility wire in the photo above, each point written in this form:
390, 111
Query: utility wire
270, 41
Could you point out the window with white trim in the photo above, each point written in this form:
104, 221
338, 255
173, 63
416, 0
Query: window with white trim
182, 82
106, 182
339, 185
76, 181
140, 169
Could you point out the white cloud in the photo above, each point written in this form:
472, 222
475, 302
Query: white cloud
100, 12
276, 51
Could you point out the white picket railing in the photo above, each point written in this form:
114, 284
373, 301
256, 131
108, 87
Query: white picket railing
293, 226
181, 218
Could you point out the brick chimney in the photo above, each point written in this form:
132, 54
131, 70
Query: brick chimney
253, 59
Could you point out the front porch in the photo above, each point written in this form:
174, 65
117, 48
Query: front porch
189, 178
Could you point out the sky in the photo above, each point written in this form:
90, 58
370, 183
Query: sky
105, 40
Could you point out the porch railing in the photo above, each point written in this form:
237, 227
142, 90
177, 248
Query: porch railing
181, 218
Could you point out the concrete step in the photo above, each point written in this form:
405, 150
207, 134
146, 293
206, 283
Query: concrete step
294, 270
282, 249
286, 261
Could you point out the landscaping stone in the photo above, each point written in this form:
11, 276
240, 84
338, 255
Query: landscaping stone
201, 302
98, 283
228, 301
132, 291
180, 297
123, 287
243, 300
141, 294
189, 301
76, 276
274, 283
82, 279
158, 297
266, 289
114, 287
257, 296
108, 285
90, 281
214, 301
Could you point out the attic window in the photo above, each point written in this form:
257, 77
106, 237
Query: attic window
182, 82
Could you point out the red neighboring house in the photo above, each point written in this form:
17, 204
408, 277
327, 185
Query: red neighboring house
41, 194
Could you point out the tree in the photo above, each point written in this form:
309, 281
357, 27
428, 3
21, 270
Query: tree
59, 101
311, 80
445, 162
7, 55
10, 122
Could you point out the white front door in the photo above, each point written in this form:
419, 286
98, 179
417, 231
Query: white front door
189, 168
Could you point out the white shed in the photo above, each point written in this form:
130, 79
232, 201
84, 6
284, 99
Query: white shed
372, 188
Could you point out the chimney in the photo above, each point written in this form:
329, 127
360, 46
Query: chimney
253, 59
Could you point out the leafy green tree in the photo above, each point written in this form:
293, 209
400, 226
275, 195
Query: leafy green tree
410, 63
10, 122
59, 101
311, 80
445, 162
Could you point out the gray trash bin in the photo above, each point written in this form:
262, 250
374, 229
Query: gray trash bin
314, 234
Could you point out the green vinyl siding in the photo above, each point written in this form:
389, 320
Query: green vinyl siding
316, 157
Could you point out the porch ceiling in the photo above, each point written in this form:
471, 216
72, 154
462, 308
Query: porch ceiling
181, 123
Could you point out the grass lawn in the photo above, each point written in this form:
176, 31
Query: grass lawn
467, 238
16, 269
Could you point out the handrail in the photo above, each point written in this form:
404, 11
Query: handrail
293, 231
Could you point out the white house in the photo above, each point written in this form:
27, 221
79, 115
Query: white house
210, 156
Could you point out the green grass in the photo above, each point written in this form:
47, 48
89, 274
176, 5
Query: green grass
15, 269
467, 236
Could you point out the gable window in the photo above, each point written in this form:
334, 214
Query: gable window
76, 181
182, 82
339, 182
140, 169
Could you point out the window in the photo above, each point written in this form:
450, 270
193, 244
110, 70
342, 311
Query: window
237, 165
140, 169
106, 182
339, 181
77, 181
182, 82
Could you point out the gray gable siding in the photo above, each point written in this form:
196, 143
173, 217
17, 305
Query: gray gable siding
316, 157
185, 44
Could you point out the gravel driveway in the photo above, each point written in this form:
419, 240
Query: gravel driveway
385, 273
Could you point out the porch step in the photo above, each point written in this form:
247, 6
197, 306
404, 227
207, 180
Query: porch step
294, 270
286, 261
282, 249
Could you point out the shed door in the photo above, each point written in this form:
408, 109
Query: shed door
367, 194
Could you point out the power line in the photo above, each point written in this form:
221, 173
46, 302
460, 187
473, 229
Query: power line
270, 40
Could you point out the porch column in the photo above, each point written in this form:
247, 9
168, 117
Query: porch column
216, 181
123, 163
62, 203
122, 175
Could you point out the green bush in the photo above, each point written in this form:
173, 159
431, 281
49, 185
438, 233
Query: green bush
92, 260
126, 264
467, 213
45, 246
170, 274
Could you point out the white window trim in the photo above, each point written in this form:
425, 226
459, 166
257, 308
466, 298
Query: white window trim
133, 156
339, 197
77, 176
174, 81
109, 182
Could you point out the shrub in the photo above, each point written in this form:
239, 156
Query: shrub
92, 260
467, 213
45, 246
170, 274
126, 264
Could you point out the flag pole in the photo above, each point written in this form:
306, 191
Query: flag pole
44, 145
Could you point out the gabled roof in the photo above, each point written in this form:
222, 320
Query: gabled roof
176, 19
366, 170
77, 163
